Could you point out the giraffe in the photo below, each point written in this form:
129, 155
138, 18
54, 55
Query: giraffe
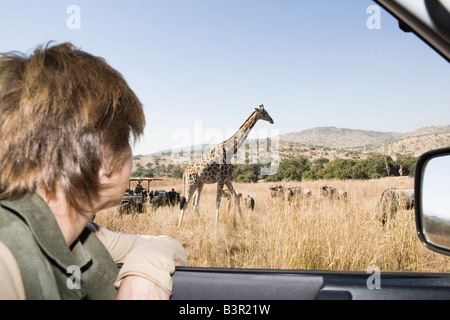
216, 167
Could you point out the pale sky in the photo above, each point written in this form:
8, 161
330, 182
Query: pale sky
208, 63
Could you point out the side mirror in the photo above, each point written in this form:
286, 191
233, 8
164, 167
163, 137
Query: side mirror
432, 199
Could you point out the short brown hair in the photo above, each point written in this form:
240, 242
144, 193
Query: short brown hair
60, 108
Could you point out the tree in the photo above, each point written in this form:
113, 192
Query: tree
407, 165
142, 172
246, 173
291, 169
339, 169
316, 172
379, 166
139, 172
360, 170
176, 172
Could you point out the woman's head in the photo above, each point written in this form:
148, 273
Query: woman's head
64, 114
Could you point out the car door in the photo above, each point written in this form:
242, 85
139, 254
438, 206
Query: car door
239, 284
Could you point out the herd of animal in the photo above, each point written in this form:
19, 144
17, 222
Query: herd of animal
391, 200
292, 193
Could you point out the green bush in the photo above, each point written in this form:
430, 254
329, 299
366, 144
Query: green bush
291, 169
246, 173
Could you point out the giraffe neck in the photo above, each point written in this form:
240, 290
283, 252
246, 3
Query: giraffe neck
239, 137
226, 150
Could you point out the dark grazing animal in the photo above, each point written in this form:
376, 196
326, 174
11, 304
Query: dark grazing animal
249, 202
333, 193
393, 200
276, 191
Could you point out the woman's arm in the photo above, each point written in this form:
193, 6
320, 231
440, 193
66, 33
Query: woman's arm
152, 259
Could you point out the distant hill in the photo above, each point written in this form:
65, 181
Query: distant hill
412, 143
333, 143
340, 138
428, 131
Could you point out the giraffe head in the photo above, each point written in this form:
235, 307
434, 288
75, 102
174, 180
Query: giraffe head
262, 114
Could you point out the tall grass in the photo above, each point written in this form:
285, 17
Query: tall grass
313, 233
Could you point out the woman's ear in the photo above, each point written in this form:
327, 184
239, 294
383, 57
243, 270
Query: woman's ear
103, 174
112, 169
105, 170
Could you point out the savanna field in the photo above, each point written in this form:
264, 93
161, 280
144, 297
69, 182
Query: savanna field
314, 233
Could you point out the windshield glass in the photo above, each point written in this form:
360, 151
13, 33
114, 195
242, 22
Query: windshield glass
325, 183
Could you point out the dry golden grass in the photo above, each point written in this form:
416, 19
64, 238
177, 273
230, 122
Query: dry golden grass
311, 234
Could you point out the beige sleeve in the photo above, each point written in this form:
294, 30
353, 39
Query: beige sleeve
11, 285
150, 257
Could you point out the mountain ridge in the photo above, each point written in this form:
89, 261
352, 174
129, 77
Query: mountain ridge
345, 138
341, 143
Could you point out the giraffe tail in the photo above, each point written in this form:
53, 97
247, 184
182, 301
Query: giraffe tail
183, 198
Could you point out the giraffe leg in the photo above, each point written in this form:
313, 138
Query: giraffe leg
218, 197
194, 197
236, 197
197, 198
189, 192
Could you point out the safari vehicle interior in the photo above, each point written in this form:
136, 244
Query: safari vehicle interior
429, 20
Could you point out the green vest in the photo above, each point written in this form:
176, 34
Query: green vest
49, 268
